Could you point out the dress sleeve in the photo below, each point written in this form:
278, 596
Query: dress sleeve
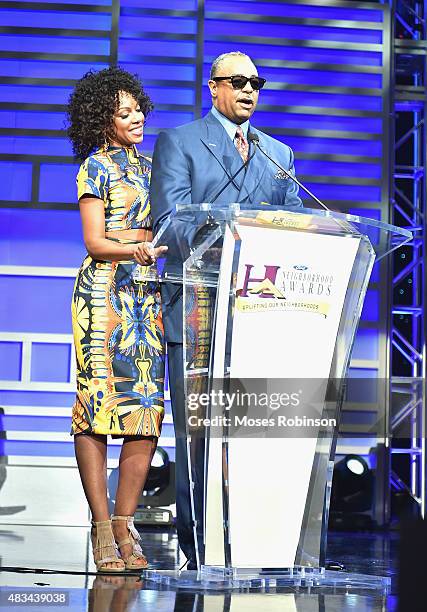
93, 179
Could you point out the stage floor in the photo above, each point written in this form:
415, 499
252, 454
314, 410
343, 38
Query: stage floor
65, 553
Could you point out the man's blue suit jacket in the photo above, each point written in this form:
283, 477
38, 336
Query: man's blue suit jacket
190, 165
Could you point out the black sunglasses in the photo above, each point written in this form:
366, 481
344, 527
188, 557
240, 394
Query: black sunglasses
238, 81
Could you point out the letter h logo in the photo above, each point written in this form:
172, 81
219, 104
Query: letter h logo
270, 275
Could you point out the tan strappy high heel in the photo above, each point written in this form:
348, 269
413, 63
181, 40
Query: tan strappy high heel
105, 548
133, 539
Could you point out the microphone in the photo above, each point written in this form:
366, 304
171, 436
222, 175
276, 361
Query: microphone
255, 139
251, 138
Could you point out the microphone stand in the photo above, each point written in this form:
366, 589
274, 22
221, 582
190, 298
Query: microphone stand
231, 179
255, 139
288, 174
210, 220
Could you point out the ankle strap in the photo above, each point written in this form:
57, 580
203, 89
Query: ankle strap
100, 523
116, 517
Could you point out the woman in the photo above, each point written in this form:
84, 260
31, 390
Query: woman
117, 321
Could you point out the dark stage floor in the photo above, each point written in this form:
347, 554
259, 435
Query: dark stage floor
66, 549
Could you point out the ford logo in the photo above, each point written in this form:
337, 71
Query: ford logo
300, 267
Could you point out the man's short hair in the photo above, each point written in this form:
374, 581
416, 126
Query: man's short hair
217, 62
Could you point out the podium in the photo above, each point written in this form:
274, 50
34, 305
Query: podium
271, 303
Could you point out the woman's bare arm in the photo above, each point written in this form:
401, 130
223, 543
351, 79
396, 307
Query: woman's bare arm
99, 247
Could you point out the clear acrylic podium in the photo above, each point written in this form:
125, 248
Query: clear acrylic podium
271, 303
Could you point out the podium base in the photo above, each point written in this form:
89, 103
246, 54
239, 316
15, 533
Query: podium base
215, 571
237, 579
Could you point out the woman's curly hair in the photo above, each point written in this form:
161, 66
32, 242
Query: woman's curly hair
92, 105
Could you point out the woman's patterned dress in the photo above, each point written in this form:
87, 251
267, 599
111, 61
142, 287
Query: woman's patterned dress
117, 320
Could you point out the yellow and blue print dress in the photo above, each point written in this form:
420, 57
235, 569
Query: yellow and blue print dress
117, 321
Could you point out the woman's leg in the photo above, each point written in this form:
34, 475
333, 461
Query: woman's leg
91, 455
134, 465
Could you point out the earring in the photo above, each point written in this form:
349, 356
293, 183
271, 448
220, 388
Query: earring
105, 145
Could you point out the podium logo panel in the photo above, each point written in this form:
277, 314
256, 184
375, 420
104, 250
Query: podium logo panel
296, 288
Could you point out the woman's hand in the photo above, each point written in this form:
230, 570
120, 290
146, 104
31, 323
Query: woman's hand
146, 255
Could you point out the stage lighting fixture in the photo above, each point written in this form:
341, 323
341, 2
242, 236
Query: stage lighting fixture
352, 493
158, 491
158, 476
356, 466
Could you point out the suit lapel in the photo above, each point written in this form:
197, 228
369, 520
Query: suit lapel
220, 145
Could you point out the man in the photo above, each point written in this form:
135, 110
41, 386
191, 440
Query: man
192, 164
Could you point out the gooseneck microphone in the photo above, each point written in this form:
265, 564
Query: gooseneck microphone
255, 139
251, 138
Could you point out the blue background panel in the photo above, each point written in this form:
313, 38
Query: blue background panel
170, 95
32, 120
372, 232
37, 423
175, 72
374, 213
313, 55
367, 418
41, 238
35, 93
330, 146
349, 193
50, 362
15, 181
88, 2
64, 44
178, 5
36, 398
153, 47
348, 101
147, 146
362, 373
10, 360
371, 306
224, 27
293, 53
58, 183
49, 19
299, 11
39, 449
35, 145
349, 169
46, 69
375, 274
338, 123
364, 386
145, 23
366, 344
165, 119
36, 304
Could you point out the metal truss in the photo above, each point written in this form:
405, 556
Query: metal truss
408, 208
